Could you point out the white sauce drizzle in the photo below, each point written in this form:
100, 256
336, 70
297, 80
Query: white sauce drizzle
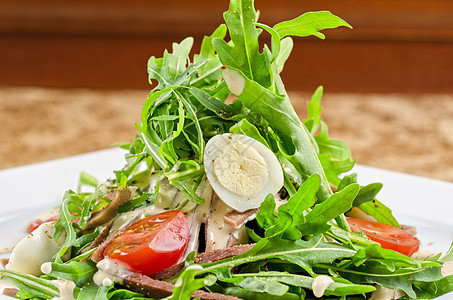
218, 231
195, 218
125, 219
66, 288
110, 271
320, 284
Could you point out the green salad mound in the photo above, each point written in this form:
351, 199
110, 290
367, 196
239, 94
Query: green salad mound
234, 86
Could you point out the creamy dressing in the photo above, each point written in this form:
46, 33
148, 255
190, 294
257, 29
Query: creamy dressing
219, 233
320, 284
195, 219
170, 197
110, 271
46, 267
66, 288
123, 220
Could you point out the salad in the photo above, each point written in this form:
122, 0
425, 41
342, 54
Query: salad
227, 194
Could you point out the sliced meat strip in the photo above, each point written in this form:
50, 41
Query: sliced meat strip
101, 241
3, 262
11, 292
237, 219
159, 289
203, 258
215, 255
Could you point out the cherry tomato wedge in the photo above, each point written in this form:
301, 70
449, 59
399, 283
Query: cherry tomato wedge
388, 236
151, 244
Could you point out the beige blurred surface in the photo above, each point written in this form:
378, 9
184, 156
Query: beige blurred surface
401, 132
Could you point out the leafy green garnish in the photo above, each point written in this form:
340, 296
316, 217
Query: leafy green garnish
74, 206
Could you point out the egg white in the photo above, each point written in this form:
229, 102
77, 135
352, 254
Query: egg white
241, 201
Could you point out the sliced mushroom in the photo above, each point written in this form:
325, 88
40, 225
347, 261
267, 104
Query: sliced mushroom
108, 212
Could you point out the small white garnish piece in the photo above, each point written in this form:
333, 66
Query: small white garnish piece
234, 81
447, 268
46, 267
383, 293
66, 288
320, 284
241, 170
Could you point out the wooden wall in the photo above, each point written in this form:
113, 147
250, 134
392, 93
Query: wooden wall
395, 46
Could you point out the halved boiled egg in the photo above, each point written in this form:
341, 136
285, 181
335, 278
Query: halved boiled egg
241, 170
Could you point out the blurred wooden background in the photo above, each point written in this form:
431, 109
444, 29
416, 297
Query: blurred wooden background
73, 74
395, 46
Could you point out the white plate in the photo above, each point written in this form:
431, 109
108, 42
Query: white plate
29, 190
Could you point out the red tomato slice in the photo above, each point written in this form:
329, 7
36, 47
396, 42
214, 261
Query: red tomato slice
390, 237
152, 244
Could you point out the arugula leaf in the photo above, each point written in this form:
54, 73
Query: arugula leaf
316, 220
314, 110
266, 217
302, 253
291, 214
277, 283
367, 193
310, 23
246, 128
213, 104
186, 284
79, 272
29, 285
387, 268
209, 73
93, 292
337, 149
122, 294
278, 111
244, 53
380, 212
167, 69
263, 284
73, 206
248, 294
433, 289
86, 179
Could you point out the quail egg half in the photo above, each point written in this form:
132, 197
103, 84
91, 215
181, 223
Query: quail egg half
241, 170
